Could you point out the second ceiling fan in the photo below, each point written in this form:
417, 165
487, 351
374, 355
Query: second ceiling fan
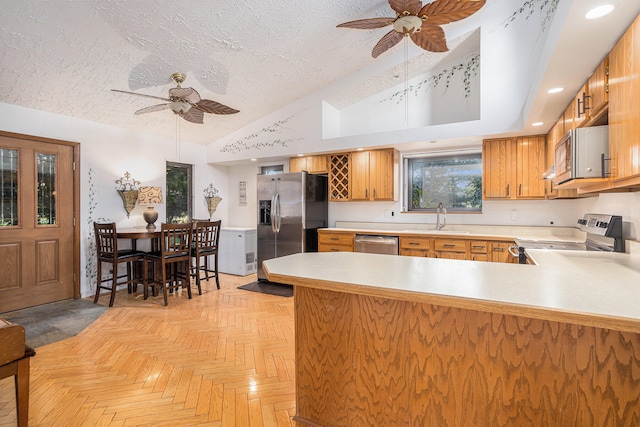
421, 23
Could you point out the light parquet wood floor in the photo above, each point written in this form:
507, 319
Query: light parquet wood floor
224, 358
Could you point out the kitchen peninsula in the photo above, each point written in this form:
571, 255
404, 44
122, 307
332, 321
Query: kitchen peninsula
389, 340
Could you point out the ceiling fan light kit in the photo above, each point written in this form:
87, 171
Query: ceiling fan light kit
185, 102
421, 23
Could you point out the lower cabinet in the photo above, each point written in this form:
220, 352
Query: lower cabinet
415, 246
335, 242
450, 249
427, 246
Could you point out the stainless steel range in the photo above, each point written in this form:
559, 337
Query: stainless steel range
604, 233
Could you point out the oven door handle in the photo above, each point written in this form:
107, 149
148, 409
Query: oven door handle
514, 250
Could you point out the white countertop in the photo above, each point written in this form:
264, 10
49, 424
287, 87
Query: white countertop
591, 288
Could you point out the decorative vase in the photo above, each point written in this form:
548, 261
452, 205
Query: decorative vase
129, 198
212, 204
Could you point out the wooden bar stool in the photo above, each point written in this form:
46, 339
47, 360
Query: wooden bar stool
205, 244
107, 252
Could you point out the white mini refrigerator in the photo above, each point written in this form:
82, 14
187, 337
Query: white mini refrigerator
237, 252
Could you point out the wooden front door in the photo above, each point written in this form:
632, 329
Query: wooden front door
37, 200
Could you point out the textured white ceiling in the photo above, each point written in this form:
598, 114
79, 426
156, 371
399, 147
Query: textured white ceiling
64, 56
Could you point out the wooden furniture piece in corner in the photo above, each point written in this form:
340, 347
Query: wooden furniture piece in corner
15, 356
205, 244
174, 258
107, 252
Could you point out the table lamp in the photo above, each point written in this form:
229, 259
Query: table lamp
150, 196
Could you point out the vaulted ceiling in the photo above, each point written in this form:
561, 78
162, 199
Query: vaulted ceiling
65, 56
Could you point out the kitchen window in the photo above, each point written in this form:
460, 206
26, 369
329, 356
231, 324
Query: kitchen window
454, 180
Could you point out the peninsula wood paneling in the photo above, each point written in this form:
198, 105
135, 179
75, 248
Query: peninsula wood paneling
372, 361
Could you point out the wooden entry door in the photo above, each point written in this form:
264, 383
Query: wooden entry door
37, 237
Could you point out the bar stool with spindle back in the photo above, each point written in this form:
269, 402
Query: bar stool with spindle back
174, 257
108, 252
205, 245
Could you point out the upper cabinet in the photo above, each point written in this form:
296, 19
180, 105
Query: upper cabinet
624, 107
312, 164
512, 168
363, 175
598, 92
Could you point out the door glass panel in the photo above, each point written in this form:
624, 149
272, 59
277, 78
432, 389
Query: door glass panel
8, 187
46, 188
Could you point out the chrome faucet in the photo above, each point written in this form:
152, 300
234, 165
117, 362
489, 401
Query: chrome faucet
444, 216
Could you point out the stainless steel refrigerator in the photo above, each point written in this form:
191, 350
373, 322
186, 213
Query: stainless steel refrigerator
291, 208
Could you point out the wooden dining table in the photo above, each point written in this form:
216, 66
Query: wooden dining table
136, 233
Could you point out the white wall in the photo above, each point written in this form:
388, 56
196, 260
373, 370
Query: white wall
107, 152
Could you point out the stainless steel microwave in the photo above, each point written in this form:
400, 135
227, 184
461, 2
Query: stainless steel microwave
581, 153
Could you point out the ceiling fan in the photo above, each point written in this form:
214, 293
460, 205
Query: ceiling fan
185, 102
421, 23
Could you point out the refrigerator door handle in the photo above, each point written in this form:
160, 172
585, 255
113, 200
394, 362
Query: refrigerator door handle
273, 213
278, 218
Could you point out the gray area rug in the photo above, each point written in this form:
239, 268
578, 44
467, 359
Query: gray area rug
48, 323
278, 289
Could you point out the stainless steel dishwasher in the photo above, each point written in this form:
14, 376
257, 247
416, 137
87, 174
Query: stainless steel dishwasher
372, 244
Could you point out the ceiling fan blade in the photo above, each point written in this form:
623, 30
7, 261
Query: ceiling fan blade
194, 116
141, 94
411, 6
367, 24
209, 106
152, 109
445, 11
188, 94
389, 40
431, 38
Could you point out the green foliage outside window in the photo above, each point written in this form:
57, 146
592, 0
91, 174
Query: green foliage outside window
178, 195
455, 181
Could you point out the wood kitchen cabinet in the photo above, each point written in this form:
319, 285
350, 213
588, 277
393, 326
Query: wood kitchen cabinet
372, 174
415, 246
363, 175
512, 168
335, 241
312, 164
450, 249
598, 92
500, 252
553, 137
478, 250
624, 108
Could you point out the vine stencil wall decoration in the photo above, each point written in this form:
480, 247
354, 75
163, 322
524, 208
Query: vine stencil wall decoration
91, 267
469, 69
250, 141
529, 7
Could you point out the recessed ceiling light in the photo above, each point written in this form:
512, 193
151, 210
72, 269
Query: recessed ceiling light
555, 90
599, 11
537, 124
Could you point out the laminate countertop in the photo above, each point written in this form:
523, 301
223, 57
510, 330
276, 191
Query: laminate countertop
586, 288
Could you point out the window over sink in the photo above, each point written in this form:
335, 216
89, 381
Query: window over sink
454, 180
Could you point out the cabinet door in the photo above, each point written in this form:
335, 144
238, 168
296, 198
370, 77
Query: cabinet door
500, 252
530, 167
297, 164
580, 112
317, 164
624, 109
497, 168
598, 86
359, 182
568, 118
335, 242
381, 174
450, 255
